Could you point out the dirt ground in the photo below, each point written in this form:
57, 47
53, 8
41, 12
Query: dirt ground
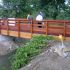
7, 44
7, 47
49, 60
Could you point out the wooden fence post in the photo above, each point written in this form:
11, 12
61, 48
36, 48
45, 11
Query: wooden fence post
7, 21
31, 28
0, 26
18, 28
46, 27
64, 30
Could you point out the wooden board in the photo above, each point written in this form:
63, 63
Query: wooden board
57, 31
25, 35
67, 39
13, 33
4, 32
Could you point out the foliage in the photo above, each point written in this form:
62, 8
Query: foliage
44, 5
53, 7
20, 8
24, 54
64, 14
17, 8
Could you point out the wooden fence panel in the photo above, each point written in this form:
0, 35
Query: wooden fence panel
16, 27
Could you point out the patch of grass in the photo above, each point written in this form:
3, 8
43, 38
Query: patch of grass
24, 54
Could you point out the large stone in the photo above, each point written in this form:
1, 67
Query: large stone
5, 38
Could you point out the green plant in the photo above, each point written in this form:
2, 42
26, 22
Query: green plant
24, 54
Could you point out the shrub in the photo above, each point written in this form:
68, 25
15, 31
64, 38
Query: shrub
24, 54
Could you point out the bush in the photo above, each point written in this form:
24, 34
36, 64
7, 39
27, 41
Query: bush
24, 54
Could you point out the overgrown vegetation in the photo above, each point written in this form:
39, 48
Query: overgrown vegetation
24, 54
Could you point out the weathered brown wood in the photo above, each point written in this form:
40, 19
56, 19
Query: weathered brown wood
53, 31
0, 29
31, 28
56, 27
4, 32
23, 29
7, 27
47, 28
13, 33
64, 30
68, 32
39, 29
19, 28
25, 35
0, 26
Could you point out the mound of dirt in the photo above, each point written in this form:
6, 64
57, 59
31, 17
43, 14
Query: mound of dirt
49, 60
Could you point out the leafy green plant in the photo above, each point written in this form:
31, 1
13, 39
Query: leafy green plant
24, 54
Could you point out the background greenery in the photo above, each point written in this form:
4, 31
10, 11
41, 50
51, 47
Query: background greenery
52, 9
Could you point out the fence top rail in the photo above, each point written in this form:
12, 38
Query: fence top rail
22, 19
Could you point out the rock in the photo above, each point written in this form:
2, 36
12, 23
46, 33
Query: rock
5, 38
7, 47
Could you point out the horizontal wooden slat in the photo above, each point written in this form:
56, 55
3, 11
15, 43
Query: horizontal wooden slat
4, 32
50, 30
56, 27
13, 33
39, 29
25, 35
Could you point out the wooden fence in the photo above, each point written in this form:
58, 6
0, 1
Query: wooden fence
26, 29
